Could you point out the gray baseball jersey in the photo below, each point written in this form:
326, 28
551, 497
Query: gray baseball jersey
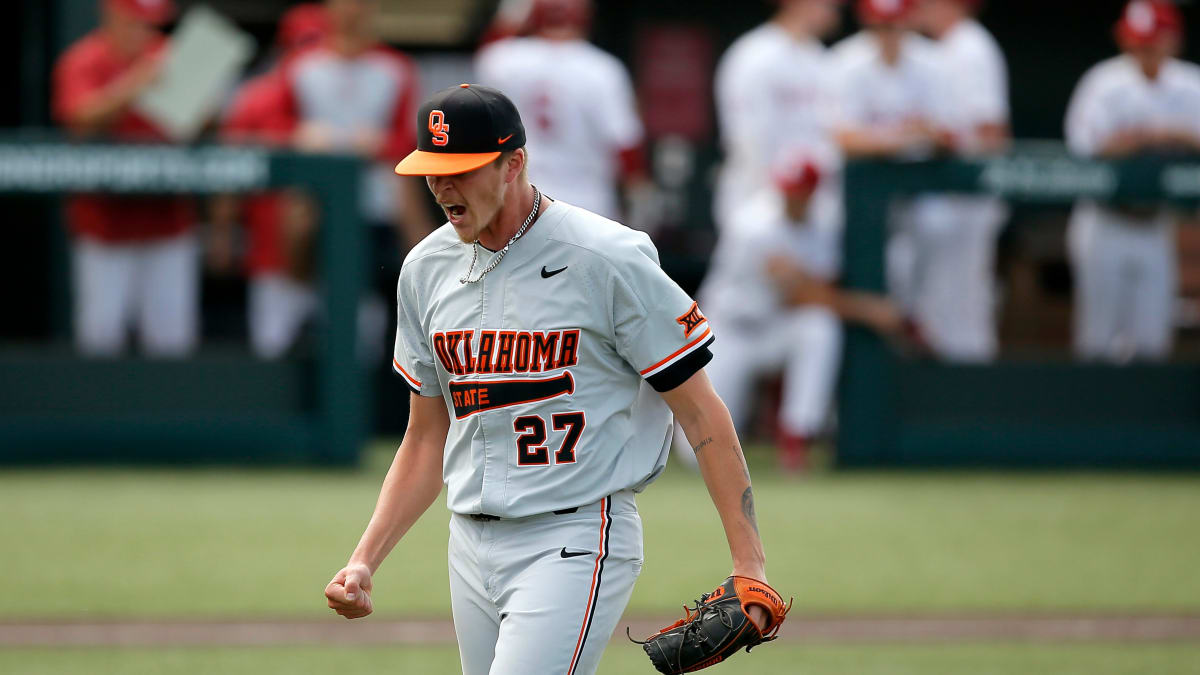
548, 365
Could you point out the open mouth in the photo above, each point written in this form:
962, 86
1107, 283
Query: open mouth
455, 212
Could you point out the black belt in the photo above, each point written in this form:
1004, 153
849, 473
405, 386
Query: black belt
488, 517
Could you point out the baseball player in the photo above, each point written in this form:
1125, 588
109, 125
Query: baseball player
955, 305
136, 259
1124, 260
771, 292
893, 104
353, 94
546, 352
280, 225
774, 94
585, 136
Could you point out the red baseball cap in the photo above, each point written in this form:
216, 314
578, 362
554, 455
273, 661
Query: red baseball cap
156, 12
884, 11
799, 176
1145, 21
302, 26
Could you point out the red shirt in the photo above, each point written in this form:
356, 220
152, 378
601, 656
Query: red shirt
82, 72
261, 114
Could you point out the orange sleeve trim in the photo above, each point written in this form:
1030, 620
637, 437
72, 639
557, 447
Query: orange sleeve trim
681, 350
405, 372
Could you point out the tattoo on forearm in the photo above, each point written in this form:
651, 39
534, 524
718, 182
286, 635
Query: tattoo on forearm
701, 445
748, 507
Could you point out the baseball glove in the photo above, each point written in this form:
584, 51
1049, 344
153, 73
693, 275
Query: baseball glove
717, 627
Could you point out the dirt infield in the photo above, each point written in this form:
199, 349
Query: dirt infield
930, 628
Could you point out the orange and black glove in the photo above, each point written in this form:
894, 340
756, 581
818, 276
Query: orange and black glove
717, 627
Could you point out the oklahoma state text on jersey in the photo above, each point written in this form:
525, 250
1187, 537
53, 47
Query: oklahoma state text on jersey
506, 351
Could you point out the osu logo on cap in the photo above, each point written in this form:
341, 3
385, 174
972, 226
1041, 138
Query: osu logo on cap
438, 127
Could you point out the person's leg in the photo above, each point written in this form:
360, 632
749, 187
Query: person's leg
956, 299
564, 581
277, 309
476, 621
900, 260
169, 296
103, 287
1154, 295
814, 339
1098, 289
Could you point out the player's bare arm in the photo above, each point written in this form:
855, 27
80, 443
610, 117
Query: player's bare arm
102, 108
993, 137
703, 416
798, 288
856, 142
412, 483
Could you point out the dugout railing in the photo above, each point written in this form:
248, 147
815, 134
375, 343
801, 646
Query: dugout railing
219, 406
893, 410
900, 411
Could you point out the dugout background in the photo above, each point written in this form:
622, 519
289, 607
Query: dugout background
1048, 45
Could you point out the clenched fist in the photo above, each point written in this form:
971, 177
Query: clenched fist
349, 593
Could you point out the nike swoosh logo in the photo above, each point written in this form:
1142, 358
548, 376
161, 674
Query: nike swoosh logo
572, 554
548, 274
504, 140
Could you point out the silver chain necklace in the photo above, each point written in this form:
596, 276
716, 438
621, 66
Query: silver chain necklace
537, 202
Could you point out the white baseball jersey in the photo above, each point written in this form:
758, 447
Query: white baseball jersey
773, 93
578, 106
548, 365
1114, 95
377, 91
873, 94
976, 77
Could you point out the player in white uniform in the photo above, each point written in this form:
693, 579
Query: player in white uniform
773, 94
1124, 258
956, 307
892, 104
760, 332
771, 293
585, 136
546, 354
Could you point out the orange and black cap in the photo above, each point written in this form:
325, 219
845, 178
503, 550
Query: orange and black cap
462, 128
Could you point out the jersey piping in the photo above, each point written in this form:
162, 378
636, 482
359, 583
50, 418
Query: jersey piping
413, 383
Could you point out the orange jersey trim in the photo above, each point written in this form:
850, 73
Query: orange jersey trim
693, 343
402, 371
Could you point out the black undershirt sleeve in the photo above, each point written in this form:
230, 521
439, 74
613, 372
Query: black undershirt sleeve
679, 372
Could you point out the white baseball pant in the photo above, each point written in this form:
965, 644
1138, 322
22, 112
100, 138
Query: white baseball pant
543, 594
1125, 284
953, 274
277, 309
155, 284
805, 343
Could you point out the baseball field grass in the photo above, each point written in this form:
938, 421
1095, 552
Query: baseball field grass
773, 659
263, 543
113, 544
